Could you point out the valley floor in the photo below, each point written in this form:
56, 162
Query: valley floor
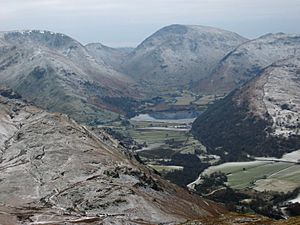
264, 174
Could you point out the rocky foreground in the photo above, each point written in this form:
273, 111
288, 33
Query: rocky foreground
54, 171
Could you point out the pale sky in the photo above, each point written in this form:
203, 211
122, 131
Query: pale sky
128, 22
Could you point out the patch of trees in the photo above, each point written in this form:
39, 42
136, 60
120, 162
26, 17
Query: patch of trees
127, 105
293, 209
174, 143
211, 182
230, 131
9, 93
125, 141
155, 100
192, 167
157, 153
267, 203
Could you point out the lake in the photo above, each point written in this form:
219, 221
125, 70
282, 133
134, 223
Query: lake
168, 117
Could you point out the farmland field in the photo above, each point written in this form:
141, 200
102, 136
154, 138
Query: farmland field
168, 147
185, 99
260, 175
162, 143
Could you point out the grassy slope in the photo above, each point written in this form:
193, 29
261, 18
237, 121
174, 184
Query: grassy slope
277, 176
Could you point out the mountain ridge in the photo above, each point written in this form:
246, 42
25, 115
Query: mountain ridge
177, 51
247, 60
45, 65
67, 172
261, 116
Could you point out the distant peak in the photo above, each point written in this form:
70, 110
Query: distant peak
29, 32
97, 45
278, 35
174, 28
43, 37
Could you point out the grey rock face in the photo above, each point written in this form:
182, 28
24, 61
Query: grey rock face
178, 55
54, 171
46, 38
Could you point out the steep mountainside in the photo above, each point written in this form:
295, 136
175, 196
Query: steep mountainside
54, 171
262, 118
58, 73
178, 55
113, 57
248, 60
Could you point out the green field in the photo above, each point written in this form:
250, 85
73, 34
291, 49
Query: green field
285, 180
161, 145
279, 176
182, 141
185, 99
163, 169
157, 136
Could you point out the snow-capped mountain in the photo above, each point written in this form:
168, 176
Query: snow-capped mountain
57, 73
178, 55
248, 60
113, 57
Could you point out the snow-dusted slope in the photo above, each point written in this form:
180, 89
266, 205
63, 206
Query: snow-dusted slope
248, 60
113, 57
58, 73
178, 55
262, 118
55, 171
276, 93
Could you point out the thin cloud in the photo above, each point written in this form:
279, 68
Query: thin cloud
100, 20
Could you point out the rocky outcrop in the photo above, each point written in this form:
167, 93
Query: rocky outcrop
54, 171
